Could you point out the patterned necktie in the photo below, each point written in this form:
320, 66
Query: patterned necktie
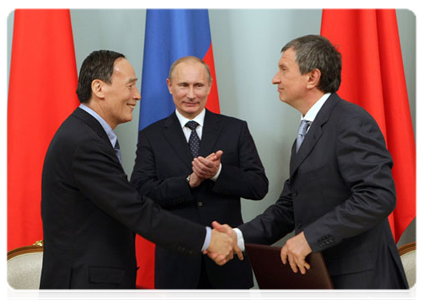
117, 151
302, 131
194, 140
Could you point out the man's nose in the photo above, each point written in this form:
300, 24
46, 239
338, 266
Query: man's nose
137, 95
275, 79
191, 93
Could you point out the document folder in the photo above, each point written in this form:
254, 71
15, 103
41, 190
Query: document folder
271, 273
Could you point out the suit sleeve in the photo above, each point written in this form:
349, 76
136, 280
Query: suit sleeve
169, 191
247, 178
100, 177
276, 221
365, 165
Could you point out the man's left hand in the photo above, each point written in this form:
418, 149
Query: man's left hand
295, 251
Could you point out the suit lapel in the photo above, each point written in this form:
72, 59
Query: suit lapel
313, 134
211, 131
93, 123
176, 138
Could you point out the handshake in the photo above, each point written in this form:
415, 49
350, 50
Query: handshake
223, 244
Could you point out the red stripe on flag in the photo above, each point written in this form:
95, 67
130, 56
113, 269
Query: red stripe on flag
373, 77
213, 99
42, 93
146, 262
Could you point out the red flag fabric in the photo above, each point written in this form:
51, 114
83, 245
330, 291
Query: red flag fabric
42, 93
373, 77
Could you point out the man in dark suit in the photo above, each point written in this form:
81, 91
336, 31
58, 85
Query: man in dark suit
89, 209
199, 174
340, 190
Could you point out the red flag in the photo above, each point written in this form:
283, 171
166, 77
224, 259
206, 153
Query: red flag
42, 93
373, 77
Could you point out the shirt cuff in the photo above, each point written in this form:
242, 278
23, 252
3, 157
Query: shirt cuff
240, 237
207, 239
214, 178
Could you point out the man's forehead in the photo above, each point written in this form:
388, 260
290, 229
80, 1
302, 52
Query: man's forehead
288, 56
122, 67
183, 72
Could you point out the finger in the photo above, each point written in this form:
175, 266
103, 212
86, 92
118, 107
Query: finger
216, 225
212, 255
303, 266
197, 170
207, 163
284, 255
219, 154
220, 260
200, 171
211, 155
302, 269
293, 264
307, 266
239, 253
221, 228
197, 163
205, 169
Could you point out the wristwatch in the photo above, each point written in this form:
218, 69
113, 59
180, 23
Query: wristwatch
188, 178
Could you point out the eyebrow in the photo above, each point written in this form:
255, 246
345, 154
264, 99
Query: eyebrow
132, 80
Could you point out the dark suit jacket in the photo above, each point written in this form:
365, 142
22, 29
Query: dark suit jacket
90, 212
164, 161
340, 193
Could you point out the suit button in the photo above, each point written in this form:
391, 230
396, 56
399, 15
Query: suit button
199, 204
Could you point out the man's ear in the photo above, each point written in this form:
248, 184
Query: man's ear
313, 78
97, 88
169, 85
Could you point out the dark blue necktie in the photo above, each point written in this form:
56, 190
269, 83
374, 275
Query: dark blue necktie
194, 140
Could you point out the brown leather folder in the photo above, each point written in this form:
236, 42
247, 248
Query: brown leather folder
271, 273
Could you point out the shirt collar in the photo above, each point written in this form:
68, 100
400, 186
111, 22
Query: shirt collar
314, 110
199, 118
109, 131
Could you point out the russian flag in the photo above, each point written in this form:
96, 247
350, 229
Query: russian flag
169, 35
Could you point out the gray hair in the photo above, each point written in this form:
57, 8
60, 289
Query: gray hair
317, 52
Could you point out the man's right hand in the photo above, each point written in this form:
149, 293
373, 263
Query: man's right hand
220, 248
230, 232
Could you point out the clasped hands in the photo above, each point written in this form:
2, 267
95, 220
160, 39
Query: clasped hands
223, 244
204, 168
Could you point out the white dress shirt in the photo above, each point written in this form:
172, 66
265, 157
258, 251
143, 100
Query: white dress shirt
187, 132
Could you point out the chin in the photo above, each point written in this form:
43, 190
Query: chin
126, 120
